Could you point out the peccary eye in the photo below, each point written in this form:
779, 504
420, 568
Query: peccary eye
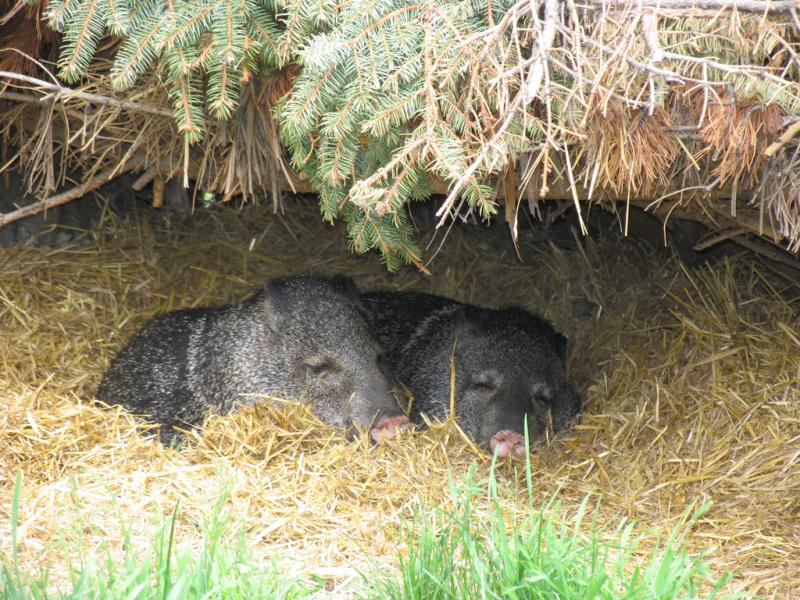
383, 359
542, 393
319, 368
383, 364
482, 387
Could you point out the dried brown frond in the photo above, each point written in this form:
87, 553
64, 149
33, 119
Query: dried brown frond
779, 195
629, 149
244, 157
279, 83
104, 130
24, 39
736, 132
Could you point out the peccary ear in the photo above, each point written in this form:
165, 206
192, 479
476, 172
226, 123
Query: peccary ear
462, 323
272, 305
345, 285
560, 343
473, 322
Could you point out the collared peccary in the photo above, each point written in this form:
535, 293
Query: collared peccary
509, 365
302, 338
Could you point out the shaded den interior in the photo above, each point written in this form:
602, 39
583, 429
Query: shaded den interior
688, 373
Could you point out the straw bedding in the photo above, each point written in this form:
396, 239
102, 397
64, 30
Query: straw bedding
690, 379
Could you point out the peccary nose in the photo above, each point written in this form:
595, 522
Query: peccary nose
387, 426
507, 442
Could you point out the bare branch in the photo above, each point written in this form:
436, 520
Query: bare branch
545, 42
81, 190
650, 32
60, 92
783, 140
756, 6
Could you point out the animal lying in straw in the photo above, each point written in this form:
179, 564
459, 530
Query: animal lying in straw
508, 365
302, 338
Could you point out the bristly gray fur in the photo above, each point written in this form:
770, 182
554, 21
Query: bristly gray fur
302, 338
509, 363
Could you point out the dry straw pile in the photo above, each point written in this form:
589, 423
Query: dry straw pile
690, 377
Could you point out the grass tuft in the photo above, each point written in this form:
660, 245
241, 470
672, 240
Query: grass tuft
460, 553
222, 569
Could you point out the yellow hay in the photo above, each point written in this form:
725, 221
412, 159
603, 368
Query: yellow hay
690, 380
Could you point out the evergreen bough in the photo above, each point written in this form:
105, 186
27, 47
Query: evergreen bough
374, 112
392, 92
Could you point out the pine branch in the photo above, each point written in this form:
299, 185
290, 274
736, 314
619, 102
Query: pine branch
81, 39
294, 113
60, 11
190, 22
224, 63
263, 28
117, 17
188, 109
140, 49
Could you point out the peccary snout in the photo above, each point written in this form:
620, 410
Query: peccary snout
387, 426
507, 443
